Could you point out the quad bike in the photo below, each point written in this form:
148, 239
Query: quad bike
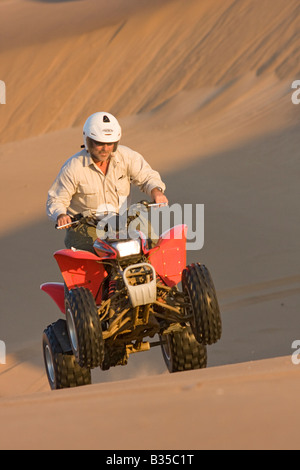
117, 299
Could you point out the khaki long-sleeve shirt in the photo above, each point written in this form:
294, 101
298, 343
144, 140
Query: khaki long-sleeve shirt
81, 185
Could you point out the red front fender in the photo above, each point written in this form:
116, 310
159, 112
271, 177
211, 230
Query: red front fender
81, 269
168, 257
56, 290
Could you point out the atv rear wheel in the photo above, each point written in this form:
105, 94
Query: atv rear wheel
182, 352
62, 369
84, 328
206, 323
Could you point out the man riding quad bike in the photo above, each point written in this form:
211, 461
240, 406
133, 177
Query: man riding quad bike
124, 294
121, 287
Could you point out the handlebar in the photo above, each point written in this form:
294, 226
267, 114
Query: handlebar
90, 215
66, 225
152, 204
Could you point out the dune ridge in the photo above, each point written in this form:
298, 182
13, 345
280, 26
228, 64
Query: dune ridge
175, 47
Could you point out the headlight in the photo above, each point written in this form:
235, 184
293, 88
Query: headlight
128, 248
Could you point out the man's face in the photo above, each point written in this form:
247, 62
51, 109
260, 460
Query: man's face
101, 151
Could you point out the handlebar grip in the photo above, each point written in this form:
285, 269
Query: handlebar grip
66, 225
74, 221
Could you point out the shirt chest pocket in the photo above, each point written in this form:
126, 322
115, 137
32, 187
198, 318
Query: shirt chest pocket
123, 185
88, 195
87, 189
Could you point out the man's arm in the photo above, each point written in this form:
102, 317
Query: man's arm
60, 195
147, 179
158, 196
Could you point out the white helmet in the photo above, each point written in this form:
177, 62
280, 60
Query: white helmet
102, 127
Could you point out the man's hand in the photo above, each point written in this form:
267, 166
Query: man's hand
158, 196
63, 219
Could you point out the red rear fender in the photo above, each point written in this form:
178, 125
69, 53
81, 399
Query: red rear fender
56, 290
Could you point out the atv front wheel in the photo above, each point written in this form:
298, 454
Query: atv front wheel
206, 323
182, 352
84, 328
62, 369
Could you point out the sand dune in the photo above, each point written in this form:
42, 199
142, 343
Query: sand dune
214, 410
203, 90
56, 82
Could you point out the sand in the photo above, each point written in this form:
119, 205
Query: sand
203, 91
